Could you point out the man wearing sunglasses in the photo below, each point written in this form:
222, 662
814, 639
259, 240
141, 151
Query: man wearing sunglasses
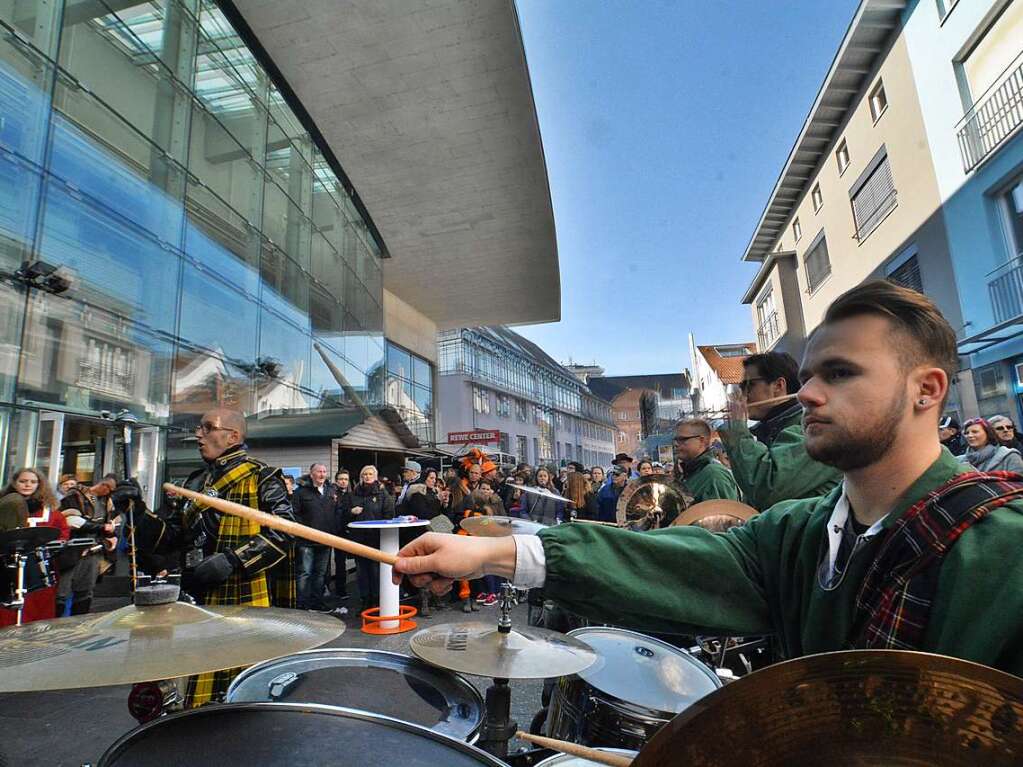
769, 461
226, 560
703, 475
913, 551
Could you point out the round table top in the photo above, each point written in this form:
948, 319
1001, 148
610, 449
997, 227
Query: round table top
386, 524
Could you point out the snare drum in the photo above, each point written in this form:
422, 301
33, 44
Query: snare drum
298, 735
638, 684
39, 574
384, 683
568, 760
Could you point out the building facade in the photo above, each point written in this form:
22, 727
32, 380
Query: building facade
177, 231
908, 168
714, 368
491, 379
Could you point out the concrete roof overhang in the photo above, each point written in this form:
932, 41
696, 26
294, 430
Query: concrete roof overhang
428, 108
764, 271
864, 41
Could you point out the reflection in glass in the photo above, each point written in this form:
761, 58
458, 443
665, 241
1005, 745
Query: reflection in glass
217, 317
284, 351
12, 308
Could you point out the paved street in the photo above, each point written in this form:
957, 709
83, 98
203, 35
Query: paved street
70, 728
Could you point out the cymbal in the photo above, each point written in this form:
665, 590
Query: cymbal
715, 508
861, 707
26, 538
650, 502
139, 644
481, 650
541, 491
500, 527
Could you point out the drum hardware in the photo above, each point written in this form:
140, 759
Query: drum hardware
155, 638
867, 707
18, 547
613, 758
649, 503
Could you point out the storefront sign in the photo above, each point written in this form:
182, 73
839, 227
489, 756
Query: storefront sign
484, 436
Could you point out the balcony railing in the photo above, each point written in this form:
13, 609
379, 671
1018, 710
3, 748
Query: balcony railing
768, 332
993, 119
1007, 291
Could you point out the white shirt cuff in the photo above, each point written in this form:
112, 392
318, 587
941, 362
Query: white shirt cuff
530, 562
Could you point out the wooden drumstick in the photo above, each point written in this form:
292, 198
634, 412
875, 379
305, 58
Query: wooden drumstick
774, 400
284, 525
593, 754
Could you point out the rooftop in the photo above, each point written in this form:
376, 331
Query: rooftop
609, 387
728, 369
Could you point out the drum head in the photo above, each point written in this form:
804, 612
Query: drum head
255, 734
568, 760
645, 671
372, 680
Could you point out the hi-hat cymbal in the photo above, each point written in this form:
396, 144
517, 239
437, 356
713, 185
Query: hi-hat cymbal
139, 644
26, 538
500, 527
481, 649
861, 707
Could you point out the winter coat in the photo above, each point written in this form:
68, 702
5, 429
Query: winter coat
315, 509
994, 458
607, 502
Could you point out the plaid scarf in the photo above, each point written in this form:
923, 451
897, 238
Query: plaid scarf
894, 601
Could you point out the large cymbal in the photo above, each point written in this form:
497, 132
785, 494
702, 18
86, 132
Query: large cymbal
500, 527
26, 538
138, 644
718, 507
481, 650
861, 707
651, 502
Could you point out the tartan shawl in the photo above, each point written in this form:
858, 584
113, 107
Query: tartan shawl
894, 601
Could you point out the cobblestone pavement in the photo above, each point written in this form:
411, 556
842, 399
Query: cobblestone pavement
69, 728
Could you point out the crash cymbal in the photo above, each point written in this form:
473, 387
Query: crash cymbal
862, 707
499, 527
26, 538
719, 507
651, 502
481, 649
543, 492
139, 644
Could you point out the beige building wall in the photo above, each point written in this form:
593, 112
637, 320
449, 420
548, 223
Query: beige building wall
407, 326
916, 219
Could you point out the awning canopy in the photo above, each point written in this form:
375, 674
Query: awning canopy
384, 430
1004, 331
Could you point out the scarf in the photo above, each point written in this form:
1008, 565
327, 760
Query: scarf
979, 458
894, 601
775, 421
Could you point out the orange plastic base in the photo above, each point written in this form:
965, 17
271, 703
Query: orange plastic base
371, 620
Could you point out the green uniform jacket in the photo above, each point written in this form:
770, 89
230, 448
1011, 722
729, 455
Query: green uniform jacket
761, 578
781, 471
707, 479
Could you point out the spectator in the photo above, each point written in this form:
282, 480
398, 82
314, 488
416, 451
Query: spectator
597, 473
984, 453
289, 485
410, 473
580, 493
484, 494
342, 515
370, 501
703, 476
315, 504
645, 467
68, 482
425, 500
607, 497
87, 518
543, 509
658, 469
951, 435
625, 461
40, 509
1006, 432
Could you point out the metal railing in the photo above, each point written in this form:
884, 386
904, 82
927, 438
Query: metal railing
768, 332
1006, 291
993, 119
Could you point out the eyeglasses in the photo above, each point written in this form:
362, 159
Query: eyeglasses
747, 384
679, 440
1003, 428
206, 427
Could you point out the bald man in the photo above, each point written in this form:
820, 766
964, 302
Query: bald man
227, 560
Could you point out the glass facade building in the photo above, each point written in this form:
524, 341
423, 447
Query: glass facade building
208, 250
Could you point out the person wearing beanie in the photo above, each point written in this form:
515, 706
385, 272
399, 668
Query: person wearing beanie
951, 435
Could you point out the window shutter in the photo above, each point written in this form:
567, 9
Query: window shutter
908, 275
818, 264
874, 199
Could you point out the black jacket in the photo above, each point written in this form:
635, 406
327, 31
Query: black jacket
343, 511
376, 501
420, 501
315, 509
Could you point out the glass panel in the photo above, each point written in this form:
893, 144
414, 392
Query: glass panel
37, 20
322, 380
216, 316
399, 362
285, 286
421, 372
284, 224
284, 351
225, 67
12, 310
25, 82
284, 126
221, 239
88, 358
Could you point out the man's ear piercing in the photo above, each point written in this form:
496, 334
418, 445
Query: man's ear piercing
922, 402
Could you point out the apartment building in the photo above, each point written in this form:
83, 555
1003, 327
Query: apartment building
714, 368
909, 167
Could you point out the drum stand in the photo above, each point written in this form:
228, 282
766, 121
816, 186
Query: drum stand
20, 592
498, 727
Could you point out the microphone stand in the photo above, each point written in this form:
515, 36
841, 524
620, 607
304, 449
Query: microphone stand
127, 422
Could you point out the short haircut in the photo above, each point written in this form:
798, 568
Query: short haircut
313, 466
647, 461
775, 365
701, 426
933, 341
340, 472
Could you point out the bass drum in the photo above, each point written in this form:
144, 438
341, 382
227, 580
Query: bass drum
637, 685
298, 735
384, 683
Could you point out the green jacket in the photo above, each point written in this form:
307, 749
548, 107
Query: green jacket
761, 578
779, 468
706, 479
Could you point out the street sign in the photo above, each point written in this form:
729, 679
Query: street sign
482, 436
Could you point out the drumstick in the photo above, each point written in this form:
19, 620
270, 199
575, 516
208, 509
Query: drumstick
596, 522
284, 525
593, 754
768, 401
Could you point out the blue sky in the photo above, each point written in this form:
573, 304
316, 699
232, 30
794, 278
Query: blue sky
665, 125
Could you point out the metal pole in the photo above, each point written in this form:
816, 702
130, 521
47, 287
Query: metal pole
127, 422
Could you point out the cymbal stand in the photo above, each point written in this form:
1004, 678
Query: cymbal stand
498, 727
20, 592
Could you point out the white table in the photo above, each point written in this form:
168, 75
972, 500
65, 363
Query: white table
389, 529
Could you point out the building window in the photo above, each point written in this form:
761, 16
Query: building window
842, 157
522, 448
480, 400
878, 101
907, 274
521, 412
797, 229
767, 321
504, 442
409, 390
536, 449
503, 406
817, 198
817, 263
1012, 217
945, 7
873, 196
